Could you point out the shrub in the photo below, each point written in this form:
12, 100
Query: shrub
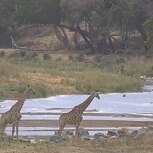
31, 55
15, 54
46, 56
2, 53
70, 57
97, 59
18, 54
81, 57
23, 53
96, 80
58, 59
41, 90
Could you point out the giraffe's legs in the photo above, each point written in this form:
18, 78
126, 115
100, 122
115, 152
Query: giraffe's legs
77, 129
61, 129
13, 129
2, 128
77, 126
17, 128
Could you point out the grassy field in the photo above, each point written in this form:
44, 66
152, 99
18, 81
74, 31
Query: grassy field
77, 145
69, 73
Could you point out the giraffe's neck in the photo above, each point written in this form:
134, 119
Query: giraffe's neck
18, 105
86, 103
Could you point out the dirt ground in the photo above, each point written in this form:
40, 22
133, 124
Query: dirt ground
78, 145
126, 145
86, 123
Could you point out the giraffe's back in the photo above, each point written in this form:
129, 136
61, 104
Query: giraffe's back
70, 118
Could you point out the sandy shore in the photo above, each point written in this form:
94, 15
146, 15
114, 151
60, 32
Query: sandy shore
86, 123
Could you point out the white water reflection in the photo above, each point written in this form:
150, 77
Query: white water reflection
138, 103
102, 118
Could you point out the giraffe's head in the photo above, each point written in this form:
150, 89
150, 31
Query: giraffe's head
96, 94
28, 93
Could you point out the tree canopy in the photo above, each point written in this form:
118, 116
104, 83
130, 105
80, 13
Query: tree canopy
94, 20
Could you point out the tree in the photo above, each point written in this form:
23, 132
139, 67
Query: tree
7, 10
38, 12
149, 29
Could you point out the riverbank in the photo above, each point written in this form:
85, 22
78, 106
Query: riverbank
78, 145
70, 73
113, 110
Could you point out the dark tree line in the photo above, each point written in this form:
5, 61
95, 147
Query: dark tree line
96, 21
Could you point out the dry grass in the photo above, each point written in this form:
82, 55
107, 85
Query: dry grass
64, 75
77, 145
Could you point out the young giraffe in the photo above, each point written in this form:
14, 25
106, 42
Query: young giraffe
13, 116
75, 115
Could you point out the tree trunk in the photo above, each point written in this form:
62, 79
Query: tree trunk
111, 44
143, 36
75, 39
82, 33
86, 39
62, 37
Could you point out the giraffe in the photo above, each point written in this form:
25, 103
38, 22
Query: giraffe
13, 115
75, 115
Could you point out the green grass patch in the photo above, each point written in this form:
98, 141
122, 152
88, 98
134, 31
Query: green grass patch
50, 76
96, 80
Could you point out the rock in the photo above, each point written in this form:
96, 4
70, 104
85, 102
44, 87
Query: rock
138, 133
99, 140
88, 138
56, 139
149, 129
124, 132
124, 95
6, 138
68, 133
3, 134
111, 133
83, 132
56, 133
24, 141
99, 135
142, 132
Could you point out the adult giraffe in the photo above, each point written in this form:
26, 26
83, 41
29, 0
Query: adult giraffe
13, 115
75, 115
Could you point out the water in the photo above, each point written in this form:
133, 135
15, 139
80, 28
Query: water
132, 103
112, 103
42, 131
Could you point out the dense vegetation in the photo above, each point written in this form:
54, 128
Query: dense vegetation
97, 21
51, 74
98, 26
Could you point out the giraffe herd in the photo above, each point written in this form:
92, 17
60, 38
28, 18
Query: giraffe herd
73, 117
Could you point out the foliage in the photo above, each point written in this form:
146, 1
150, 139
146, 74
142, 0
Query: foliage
94, 20
49, 77
149, 29
38, 11
46, 56
95, 80
2, 53
7, 10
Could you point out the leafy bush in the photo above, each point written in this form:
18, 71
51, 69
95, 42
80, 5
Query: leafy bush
70, 57
23, 53
149, 29
46, 56
81, 58
31, 55
15, 54
2, 53
96, 80
41, 90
